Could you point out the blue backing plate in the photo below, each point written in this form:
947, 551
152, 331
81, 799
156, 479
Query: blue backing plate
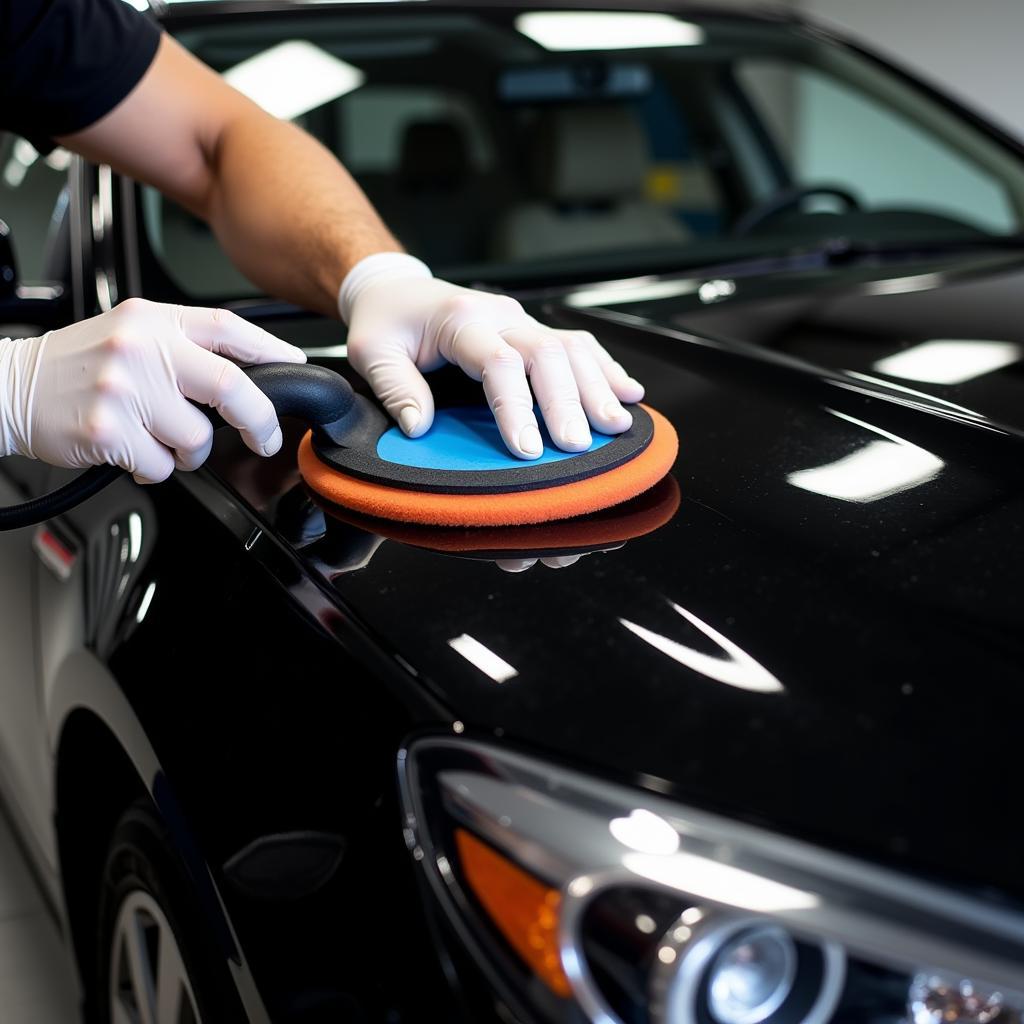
463, 453
467, 439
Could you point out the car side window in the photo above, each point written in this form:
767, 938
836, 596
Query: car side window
30, 191
828, 132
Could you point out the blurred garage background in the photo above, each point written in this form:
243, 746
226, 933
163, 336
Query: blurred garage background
970, 50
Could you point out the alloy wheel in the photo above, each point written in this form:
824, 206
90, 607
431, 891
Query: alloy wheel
149, 983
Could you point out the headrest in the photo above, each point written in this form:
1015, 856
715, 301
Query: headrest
588, 154
434, 155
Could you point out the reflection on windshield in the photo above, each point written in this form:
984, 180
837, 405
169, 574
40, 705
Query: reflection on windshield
607, 30
293, 78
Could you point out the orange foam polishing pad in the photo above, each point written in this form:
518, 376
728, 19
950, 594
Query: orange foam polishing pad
560, 501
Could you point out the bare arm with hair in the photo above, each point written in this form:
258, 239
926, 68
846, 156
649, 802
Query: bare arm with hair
284, 209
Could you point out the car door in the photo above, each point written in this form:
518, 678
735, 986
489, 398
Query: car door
30, 186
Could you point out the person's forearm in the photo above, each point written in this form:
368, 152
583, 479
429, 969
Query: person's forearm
288, 214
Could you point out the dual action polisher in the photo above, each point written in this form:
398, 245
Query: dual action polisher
457, 474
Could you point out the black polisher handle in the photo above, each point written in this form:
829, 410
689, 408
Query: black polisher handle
319, 397
314, 394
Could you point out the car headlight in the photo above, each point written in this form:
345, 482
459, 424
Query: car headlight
575, 894
752, 975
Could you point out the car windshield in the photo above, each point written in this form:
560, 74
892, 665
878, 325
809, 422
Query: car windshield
513, 144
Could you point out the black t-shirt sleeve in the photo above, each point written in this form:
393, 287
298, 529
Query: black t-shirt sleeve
64, 64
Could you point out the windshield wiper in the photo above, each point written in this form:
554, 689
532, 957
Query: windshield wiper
842, 249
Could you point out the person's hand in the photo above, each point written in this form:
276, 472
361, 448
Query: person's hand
115, 389
404, 322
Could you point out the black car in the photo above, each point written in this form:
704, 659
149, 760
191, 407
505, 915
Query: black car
739, 751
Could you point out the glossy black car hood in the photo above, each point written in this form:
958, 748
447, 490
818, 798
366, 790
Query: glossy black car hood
827, 637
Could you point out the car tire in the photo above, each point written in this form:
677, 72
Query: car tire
152, 945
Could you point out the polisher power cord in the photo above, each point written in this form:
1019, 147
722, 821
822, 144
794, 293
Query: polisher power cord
321, 398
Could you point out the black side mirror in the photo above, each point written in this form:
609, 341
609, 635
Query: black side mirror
8, 266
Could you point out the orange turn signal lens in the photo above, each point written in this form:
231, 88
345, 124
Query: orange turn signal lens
524, 909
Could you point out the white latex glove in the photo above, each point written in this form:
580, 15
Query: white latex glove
403, 322
115, 389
